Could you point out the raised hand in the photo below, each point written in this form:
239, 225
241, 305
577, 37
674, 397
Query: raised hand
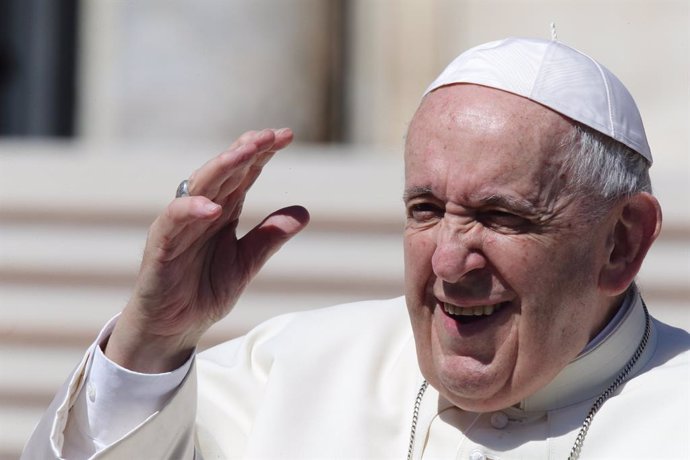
194, 267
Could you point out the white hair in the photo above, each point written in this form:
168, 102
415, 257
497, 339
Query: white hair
602, 169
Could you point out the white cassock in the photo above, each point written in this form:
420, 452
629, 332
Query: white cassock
341, 383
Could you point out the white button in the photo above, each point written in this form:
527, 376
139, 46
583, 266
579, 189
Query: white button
477, 455
91, 392
499, 420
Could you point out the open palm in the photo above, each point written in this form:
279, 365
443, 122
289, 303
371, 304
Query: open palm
194, 267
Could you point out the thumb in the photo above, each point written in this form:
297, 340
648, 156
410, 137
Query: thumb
264, 240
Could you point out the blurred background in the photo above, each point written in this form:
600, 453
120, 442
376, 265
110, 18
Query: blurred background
106, 105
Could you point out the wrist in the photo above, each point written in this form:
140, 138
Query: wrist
137, 350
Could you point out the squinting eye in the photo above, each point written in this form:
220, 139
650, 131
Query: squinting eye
424, 212
503, 219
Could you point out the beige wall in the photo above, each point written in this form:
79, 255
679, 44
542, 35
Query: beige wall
401, 45
156, 69
186, 70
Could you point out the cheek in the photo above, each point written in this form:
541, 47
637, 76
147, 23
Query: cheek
513, 259
527, 262
418, 250
554, 283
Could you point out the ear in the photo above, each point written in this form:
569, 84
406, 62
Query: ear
636, 226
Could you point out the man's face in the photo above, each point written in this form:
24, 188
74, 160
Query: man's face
501, 269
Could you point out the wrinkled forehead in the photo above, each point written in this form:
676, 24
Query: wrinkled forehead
468, 140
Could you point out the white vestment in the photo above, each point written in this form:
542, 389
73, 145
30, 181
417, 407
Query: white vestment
341, 383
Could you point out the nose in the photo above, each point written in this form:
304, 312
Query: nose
457, 253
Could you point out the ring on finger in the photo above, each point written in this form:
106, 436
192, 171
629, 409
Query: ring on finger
182, 189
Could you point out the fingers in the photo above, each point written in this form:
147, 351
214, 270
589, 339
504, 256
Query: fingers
283, 137
187, 219
221, 176
184, 221
242, 182
260, 243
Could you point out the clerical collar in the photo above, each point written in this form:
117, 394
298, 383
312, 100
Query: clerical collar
600, 362
628, 302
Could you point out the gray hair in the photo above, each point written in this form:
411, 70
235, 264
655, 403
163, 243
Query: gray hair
602, 169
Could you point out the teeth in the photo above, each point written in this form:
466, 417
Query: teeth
479, 310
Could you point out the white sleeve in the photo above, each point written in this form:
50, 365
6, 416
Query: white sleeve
113, 401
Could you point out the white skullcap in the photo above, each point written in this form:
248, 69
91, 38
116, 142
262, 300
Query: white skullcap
558, 77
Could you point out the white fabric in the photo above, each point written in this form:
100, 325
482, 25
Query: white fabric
111, 417
341, 383
114, 400
556, 76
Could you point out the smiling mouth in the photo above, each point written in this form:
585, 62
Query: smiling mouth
471, 314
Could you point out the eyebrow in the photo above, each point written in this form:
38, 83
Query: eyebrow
501, 201
509, 202
416, 191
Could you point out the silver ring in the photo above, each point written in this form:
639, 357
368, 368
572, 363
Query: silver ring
182, 189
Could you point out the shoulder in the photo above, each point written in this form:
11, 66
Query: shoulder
672, 344
381, 323
298, 376
652, 405
376, 312
661, 390
670, 357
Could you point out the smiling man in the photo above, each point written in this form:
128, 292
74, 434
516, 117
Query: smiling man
503, 287
521, 333
503, 291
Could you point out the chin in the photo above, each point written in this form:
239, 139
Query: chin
479, 404
474, 393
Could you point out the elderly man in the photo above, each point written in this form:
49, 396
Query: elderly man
521, 333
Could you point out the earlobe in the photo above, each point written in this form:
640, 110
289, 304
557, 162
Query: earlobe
637, 225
